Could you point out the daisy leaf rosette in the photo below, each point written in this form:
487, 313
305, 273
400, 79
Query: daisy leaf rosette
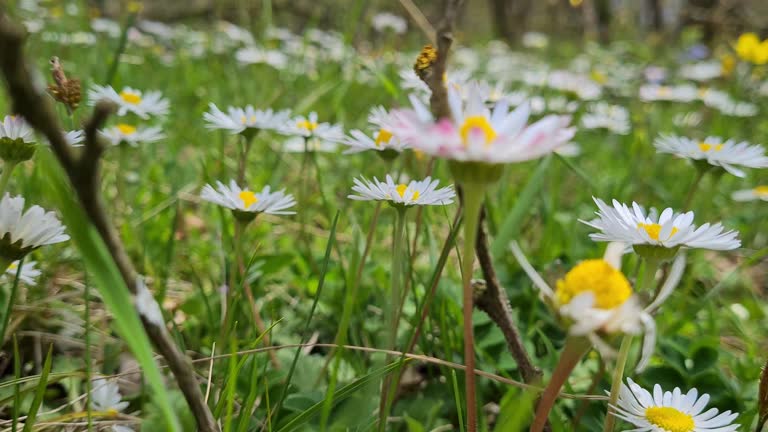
476, 139
246, 204
730, 155
671, 411
657, 236
22, 231
415, 193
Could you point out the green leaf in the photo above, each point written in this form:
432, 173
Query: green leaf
705, 357
107, 279
341, 394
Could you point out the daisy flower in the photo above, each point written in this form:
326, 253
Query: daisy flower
665, 411
595, 299
29, 272
74, 138
15, 127
384, 21
382, 140
21, 231
475, 133
604, 116
128, 134
246, 203
244, 120
715, 151
702, 71
758, 193
105, 395
669, 230
307, 134
17, 140
424, 192
131, 100
680, 93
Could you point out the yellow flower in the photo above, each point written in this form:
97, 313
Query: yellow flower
746, 45
760, 53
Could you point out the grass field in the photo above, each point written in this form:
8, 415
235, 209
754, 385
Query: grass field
247, 293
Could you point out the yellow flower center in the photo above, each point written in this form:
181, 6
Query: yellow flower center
610, 287
654, 230
130, 97
126, 129
245, 119
665, 91
14, 266
477, 123
761, 190
383, 137
308, 125
402, 189
705, 147
248, 198
670, 419
598, 77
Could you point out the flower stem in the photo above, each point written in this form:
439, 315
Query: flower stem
648, 277
700, 172
574, 350
618, 376
387, 388
5, 177
473, 200
397, 274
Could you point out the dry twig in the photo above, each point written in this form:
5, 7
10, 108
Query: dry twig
30, 101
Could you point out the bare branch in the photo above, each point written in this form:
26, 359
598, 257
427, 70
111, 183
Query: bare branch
493, 301
29, 100
435, 78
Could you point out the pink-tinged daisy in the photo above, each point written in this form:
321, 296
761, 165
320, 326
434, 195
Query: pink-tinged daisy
476, 133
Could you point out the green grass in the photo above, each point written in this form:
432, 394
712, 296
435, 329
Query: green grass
303, 269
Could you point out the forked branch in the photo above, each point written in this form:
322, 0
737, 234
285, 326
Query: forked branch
30, 101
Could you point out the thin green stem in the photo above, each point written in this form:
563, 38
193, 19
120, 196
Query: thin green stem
387, 390
646, 282
120, 49
5, 177
574, 350
618, 377
4, 263
473, 201
700, 172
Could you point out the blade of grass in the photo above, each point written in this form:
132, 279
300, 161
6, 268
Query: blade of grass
343, 393
305, 333
11, 301
17, 386
42, 385
106, 277
511, 224
457, 397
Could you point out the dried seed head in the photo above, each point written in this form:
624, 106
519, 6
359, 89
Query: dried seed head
427, 57
66, 91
